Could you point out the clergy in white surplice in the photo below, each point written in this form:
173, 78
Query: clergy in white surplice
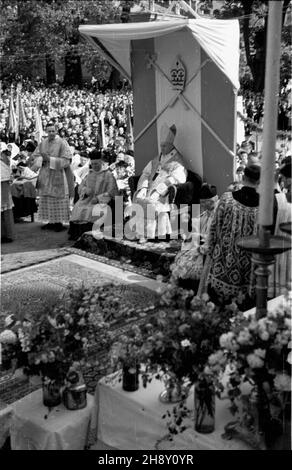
152, 191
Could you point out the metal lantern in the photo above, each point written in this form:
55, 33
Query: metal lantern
75, 397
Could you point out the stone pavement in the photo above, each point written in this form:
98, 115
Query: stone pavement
32, 246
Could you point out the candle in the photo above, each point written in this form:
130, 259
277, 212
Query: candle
272, 78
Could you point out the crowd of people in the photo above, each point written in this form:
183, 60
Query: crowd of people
254, 108
84, 119
76, 113
73, 164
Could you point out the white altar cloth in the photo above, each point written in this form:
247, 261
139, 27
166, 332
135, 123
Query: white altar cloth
62, 430
272, 304
5, 420
133, 420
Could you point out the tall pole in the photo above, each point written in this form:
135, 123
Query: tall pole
272, 79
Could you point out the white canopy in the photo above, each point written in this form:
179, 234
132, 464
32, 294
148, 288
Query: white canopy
218, 38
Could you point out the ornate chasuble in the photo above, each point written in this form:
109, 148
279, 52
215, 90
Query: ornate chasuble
230, 267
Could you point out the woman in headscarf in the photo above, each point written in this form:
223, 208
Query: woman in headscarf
13, 148
98, 188
7, 222
188, 264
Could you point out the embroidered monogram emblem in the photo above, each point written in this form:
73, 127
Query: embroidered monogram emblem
178, 75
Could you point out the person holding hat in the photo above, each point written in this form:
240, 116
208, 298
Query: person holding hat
98, 188
280, 278
228, 271
188, 264
7, 222
152, 190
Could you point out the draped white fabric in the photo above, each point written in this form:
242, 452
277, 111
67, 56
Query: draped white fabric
189, 139
218, 38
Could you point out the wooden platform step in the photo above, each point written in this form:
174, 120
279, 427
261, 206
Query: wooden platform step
154, 257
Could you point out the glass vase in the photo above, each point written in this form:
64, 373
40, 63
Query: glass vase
131, 378
174, 391
51, 394
278, 430
204, 395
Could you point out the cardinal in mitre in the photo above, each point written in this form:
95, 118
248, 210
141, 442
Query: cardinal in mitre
152, 191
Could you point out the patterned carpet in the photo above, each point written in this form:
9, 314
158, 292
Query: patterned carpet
35, 289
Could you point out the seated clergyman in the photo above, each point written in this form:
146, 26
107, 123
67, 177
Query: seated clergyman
97, 190
152, 191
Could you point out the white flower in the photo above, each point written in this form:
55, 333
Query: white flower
52, 356
264, 335
217, 358
20, 333
9, 320
272, 327
52, 321
254, 361
233, 306
282, 382
207, 370
262, 323
205, 297
227, 340
210, 306
253, 325
8, 337
44, 358
244, 337
185, 343
260, 353
196, 315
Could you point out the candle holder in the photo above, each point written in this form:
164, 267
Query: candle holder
263, 248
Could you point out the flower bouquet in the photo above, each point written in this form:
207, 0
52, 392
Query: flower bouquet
55, 342
257, 355
178, 342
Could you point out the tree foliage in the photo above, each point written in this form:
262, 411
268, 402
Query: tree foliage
253, 17
34, 32
39, 30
